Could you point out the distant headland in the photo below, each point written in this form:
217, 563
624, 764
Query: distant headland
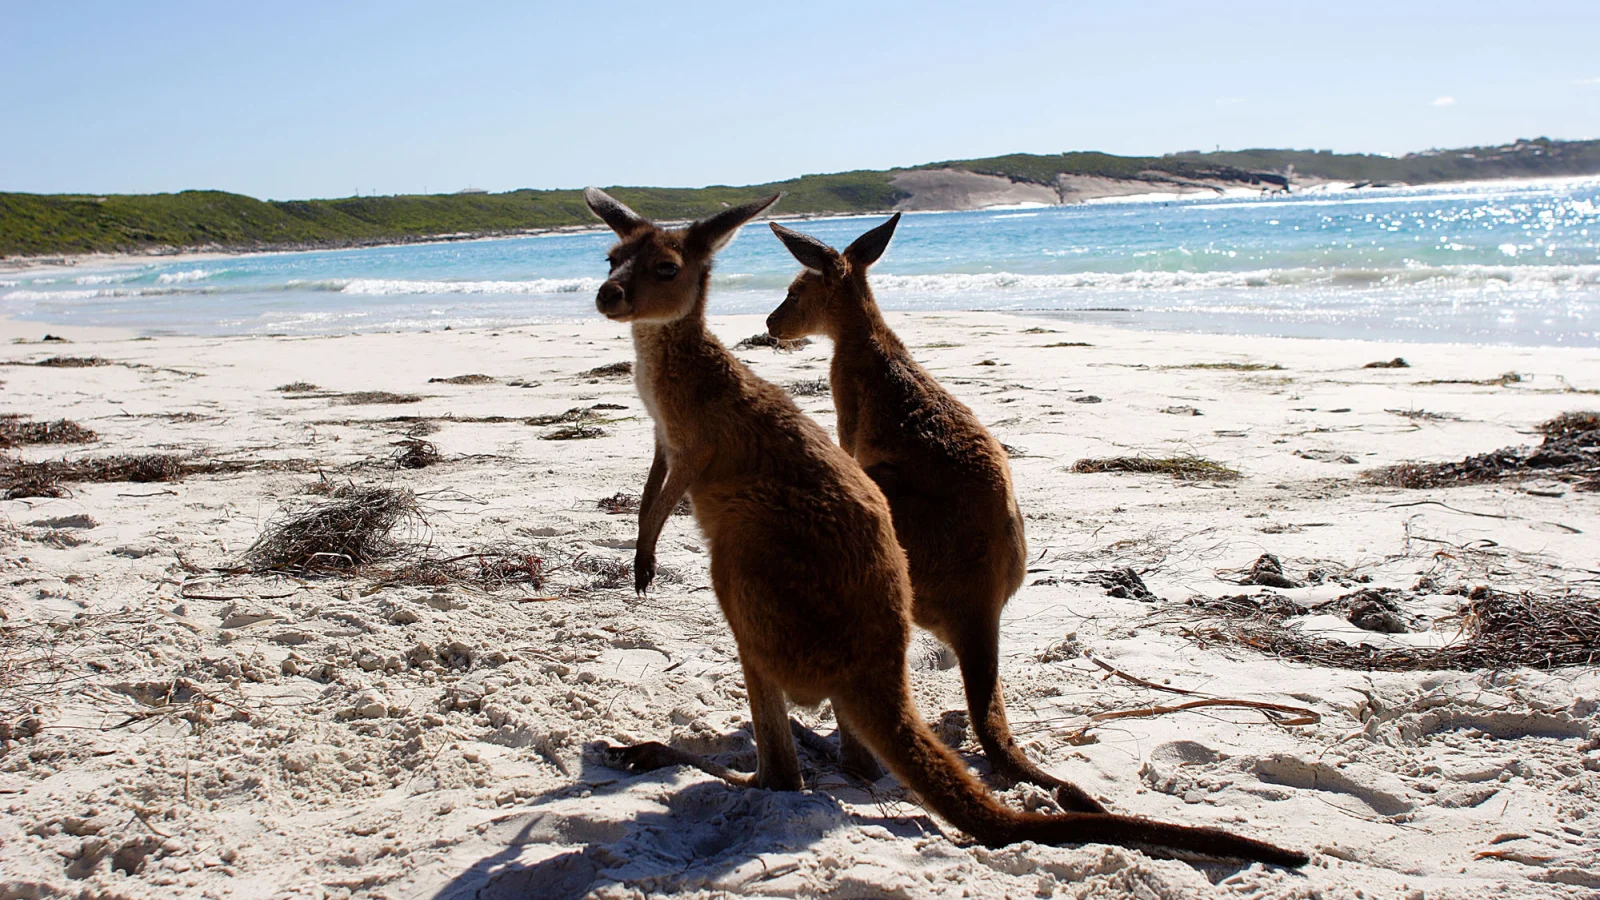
33, 225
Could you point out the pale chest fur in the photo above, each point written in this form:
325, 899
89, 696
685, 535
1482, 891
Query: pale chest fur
646, 371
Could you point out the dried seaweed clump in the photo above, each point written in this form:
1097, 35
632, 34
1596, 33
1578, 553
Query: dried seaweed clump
1570, 451
575, 414
1567, 423
488, 568
812, 388
73, 362
1123, 583
350, 530
415, 453
619, 503
766, 340
574, 433
18, 430
1267, 571
463, 379
1183, 468
605, 572
19, 478
1398, 362
1497, 631
1504, 379
622, 503
1231, 367
609, 370
364, 398
47, 478
297, 387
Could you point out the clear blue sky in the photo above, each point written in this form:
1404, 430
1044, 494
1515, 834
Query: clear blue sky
293, 99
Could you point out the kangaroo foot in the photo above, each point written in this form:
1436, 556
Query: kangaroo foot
779, 781
652, 755
1075, 799
1071, 797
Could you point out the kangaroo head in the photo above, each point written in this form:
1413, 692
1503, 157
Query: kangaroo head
659, 274
832, 283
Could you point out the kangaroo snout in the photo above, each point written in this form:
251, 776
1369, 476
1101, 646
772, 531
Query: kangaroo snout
776, 320
611, 300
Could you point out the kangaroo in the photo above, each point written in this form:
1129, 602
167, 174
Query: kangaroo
946, 478
804, 560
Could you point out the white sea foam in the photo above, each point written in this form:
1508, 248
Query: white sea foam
115, 278
381, 286
181, 277
68, 296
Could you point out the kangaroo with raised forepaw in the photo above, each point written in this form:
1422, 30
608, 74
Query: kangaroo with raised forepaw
947, 480
804, 560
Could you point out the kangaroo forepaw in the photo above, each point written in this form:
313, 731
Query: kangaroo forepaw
644, 571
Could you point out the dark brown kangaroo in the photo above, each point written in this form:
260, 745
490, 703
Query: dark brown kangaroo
946, 478
804, 560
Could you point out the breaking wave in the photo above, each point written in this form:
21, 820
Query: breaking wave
69, 296
181, 277
113, 278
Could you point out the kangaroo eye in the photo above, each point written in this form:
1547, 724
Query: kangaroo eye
666, 271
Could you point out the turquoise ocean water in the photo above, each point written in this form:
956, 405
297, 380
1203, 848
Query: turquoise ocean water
1503, 263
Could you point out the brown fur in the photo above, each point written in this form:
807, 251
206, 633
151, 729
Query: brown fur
947, 479
804, 559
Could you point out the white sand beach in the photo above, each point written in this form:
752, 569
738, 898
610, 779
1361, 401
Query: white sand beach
174, 726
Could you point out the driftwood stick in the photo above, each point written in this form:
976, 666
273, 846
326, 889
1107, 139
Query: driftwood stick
185, 592
1134, 678
1302, 715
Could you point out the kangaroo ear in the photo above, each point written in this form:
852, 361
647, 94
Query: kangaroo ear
715, 232
622, 220
865, 250
812, 253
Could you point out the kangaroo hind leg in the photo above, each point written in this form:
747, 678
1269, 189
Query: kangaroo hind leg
854, 755
978, 650
777, 764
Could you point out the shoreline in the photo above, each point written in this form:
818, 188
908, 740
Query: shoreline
1125, 191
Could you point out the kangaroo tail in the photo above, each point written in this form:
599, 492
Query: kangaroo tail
888, 722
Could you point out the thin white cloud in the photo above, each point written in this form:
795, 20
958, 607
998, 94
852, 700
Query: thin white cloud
1588, 82
1444, 101
1229, 101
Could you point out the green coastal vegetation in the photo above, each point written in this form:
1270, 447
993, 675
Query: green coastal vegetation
41, 224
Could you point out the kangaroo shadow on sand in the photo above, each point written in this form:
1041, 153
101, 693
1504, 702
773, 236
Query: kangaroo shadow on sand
669, 830
676, 829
